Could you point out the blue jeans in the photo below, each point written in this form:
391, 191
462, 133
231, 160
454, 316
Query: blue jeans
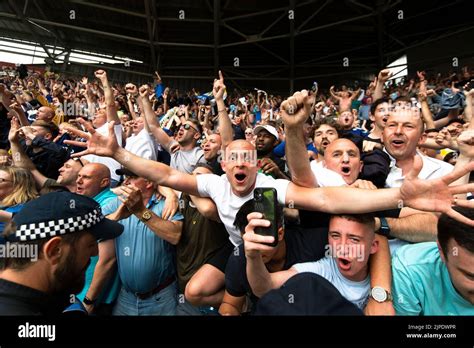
186, 308
161, 303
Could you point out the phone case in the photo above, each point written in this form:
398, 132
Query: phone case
265, 200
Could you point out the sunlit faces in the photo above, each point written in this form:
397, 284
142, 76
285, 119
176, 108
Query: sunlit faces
91, 181
99, 118
403, 132
68, 172
212, 146
381, 114
346, 119
138, 125
323, 136
351, 243
460, 264
240, 165
343, 157
186, 133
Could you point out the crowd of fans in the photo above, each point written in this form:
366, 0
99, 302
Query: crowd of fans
365, 212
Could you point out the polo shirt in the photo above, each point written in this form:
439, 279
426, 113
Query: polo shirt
144, 260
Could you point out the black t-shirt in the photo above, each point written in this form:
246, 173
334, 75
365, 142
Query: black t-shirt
201, 239
302, 245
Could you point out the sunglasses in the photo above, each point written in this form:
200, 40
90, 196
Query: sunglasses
78, 159
187, 126
248, 133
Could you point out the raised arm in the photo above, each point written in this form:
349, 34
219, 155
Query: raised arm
225, 125
109, 97
295, 147
383, 77
160, 173
160, 135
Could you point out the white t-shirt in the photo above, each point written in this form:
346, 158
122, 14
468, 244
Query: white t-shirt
326, 177
432, 169
356, 292
112, 164
142, 145
228, 204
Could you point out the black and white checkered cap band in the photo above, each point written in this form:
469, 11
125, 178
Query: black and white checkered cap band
47, 229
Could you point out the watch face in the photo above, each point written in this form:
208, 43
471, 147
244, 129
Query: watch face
147, 215
379, 294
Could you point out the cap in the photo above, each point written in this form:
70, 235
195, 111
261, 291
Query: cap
270, 129
60, 213
311, 294
125, 171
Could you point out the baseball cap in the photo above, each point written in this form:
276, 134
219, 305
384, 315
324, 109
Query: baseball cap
60, 213
310, 294
125, 171
270, 129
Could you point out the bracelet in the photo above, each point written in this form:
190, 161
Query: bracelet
88, 301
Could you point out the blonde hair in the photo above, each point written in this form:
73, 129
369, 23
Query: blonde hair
24, 187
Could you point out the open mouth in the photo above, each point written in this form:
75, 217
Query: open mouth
240, 177
384, 120
397, 142
346, 170
344, 264
325, 143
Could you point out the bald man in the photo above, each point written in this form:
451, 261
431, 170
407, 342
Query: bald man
45, 113
102, 283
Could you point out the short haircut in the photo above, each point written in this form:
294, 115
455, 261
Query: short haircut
248, 207
364, 219
456, 120
50, 126
448, 228
196, 124
327, 121
377, 103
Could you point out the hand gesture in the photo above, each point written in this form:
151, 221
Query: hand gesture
269, 167
421, 75
131, 89
436, 195
466, 143
97, 144
219, 87
443, 138
384, 75
132, 198
121, 213
296, 109
144, 91
13, 134
100, 74
170, 208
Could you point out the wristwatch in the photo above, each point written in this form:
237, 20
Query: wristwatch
384, 227
146, 215
87, 301
380, 295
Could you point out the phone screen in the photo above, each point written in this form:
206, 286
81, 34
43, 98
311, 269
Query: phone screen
265, 200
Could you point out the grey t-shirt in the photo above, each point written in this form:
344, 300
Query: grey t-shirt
184, 161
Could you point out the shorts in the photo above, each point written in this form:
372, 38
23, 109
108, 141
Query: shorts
219, 260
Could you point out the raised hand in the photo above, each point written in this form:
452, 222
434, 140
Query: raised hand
219, 87
384, 75
84, 80
131, 89
144, 91
14, 133
296, 109
100, 74
444, 138
421, 75
132, 198
466, 143
436, 195
97, 144
254, 244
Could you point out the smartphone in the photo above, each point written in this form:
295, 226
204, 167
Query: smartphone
266, 202
214, 107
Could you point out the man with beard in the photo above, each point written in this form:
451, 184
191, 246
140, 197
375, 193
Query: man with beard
325, 131
266, 140
60, 230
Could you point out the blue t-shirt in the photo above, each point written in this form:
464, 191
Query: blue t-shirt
144, 260
422, 285
279, 150
111, 290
